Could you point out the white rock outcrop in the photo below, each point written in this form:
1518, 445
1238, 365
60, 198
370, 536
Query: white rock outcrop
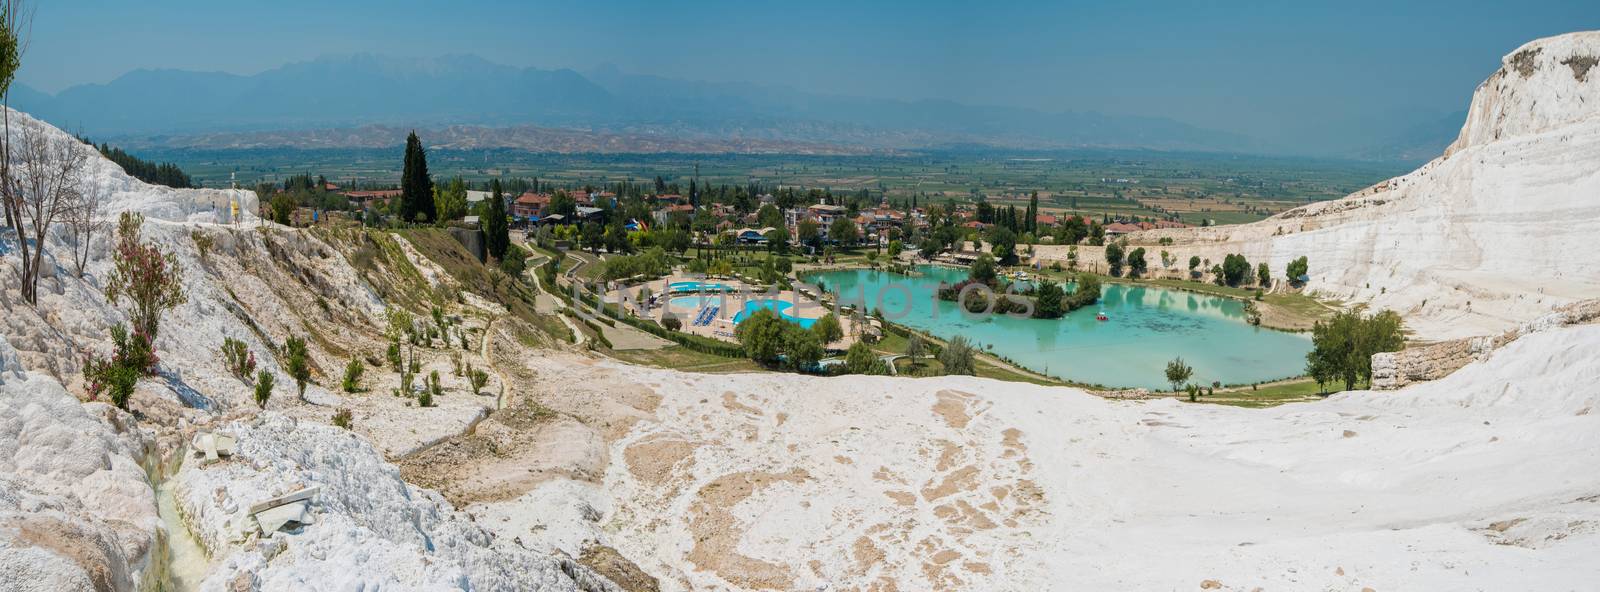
76, 512
371, 531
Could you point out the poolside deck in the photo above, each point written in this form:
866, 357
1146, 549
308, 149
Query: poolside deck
709, 306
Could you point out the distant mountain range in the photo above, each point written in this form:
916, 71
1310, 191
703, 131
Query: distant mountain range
363, 100
1420, 143
350, 92
468, 137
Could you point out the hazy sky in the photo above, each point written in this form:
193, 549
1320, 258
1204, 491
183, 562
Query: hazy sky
1273, 70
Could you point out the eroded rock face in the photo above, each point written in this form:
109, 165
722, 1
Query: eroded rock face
1545, 84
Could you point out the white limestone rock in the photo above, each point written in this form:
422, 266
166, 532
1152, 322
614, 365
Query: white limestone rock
75, 509
372, 530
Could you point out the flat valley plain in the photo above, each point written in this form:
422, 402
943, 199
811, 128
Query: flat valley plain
1196, 186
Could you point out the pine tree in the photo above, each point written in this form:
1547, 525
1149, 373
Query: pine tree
416, 187
497, 234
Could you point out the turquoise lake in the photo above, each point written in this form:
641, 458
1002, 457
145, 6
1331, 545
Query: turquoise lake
1148, 327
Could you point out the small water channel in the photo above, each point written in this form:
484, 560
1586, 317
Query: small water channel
184, 560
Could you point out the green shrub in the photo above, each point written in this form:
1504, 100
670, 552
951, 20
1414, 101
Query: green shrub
479, 380
116, 382
828, 329
264, 383
393, 356
297, 363
343, 418
133, 350
425, 398
240, 360
434, 387
149, 279
860, 359
352, 376
957, 356
513, 265
132, 358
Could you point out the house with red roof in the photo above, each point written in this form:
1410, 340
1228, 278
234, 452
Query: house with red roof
530, 205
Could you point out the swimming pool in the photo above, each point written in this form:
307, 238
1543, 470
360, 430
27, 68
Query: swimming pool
776, 306
681, 287
692, 303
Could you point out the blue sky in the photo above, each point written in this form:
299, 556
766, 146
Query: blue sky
1267, 69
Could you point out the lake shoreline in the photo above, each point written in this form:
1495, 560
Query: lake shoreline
1211, 331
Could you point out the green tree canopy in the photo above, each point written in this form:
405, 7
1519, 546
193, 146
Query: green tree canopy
1178, 373
1234, 269
761, 334
1298, 269
843, 231
1003, 244
1342, 347
983, 270
828, 329
959, 357
450, 199
1050, 301
1136, 262
860, 359
1114, 258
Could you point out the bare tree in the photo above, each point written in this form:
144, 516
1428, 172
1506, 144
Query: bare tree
45, 175
84, 219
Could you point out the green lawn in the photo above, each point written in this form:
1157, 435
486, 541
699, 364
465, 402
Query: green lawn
1267, 395
678, 357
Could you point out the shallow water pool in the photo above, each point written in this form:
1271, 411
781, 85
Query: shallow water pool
1146, 328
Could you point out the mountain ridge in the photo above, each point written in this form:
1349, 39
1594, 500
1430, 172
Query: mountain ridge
465, 89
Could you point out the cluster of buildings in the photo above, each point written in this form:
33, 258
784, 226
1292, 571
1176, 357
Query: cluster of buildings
875, 225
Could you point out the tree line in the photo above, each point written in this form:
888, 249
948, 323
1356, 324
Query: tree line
162, 173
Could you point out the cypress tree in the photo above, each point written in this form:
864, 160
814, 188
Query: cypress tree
1032, 223
416, 187
497, 234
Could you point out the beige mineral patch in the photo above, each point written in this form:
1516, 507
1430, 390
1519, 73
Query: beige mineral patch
730, 401
653, 460
961, 480
949, 455
952, 406
866, 554
904, 498
717, 532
